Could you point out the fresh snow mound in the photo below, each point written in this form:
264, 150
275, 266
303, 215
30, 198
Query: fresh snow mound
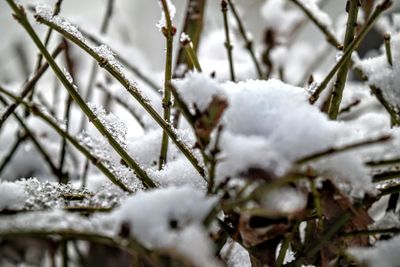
12, 196
170, 218
269, 125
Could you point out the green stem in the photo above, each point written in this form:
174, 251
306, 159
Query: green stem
134, 91
247, 40
169, 38
352, 47
22, 19
228, 44
135, 70
97, 162
193, 26
188, 46
388, 48
337, 93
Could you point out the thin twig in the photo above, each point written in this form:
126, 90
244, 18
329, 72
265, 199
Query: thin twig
7, 159
192, 26
123, 103
187, 44
134, 91
388, 48
248, 41
47, 158
56, 11
68, 104
138, 73
228, 43
29, 85
330, 37
97, 162
377, 92
20, 15
352, 47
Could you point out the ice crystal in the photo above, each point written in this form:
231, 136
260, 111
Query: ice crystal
101, 150
46, 13
113, 124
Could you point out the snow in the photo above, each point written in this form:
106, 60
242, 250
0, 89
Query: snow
246, 143
322, 18
112, 123
171, 10
198, 89
284, 201
12, 196
382, 254
382, 75
184, 38
46, 12
279, 18
170, 218
235, 255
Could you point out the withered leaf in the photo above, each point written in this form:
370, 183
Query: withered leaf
208, 119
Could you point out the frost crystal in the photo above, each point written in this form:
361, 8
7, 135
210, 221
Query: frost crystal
171, 9
101, 150
113, 124
107, 54
46, 13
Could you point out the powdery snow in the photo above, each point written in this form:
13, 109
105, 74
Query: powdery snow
12, 196
382, 254
170, 218
269, 125
384, 76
